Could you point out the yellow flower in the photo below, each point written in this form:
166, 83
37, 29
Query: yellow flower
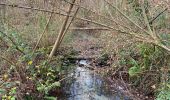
30, 63
9, 98
5, 77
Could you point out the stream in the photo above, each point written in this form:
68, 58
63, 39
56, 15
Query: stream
85, 84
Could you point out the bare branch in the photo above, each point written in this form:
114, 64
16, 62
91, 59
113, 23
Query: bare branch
109, 19
126, 16
158, 16
12, 42
54, 12
69, 24
91, 28
45, 29
11, 63
57, 43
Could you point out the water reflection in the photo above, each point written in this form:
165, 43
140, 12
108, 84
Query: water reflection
85, 85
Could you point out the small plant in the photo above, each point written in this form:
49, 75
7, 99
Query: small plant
8, 88
164, 92
135, 69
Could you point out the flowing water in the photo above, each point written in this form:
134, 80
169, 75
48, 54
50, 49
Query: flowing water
86, 85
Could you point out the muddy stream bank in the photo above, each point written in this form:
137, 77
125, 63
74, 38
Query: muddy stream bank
85, 84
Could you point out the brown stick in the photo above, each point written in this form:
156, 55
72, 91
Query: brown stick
125, 16
57, 43
109, 19
83, 19
12, 63
150, 22
45, 29
16, 47
38, 42
89, 28
69, 25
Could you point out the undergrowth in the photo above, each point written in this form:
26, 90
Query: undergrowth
27, 75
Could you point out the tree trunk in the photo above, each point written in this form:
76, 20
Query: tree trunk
2, 15
58, 41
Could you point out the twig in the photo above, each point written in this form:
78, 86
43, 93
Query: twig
42, 34
116, 16
65, 78
12, 63
89, 28
69, 24
97, 14
45, 29
57, 42
94, 22
126, 16
151, 33
12, 42
157, 16
1, 40
151, 21
49, 11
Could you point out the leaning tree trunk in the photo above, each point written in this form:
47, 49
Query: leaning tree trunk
2, 15
58, 41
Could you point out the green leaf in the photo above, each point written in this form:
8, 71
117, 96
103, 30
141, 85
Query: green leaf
56, 84
2, 91
133, 71
13, 90
50, 98
13, 98
168, 85
41, 88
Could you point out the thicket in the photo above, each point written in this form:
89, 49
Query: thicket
136, 36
